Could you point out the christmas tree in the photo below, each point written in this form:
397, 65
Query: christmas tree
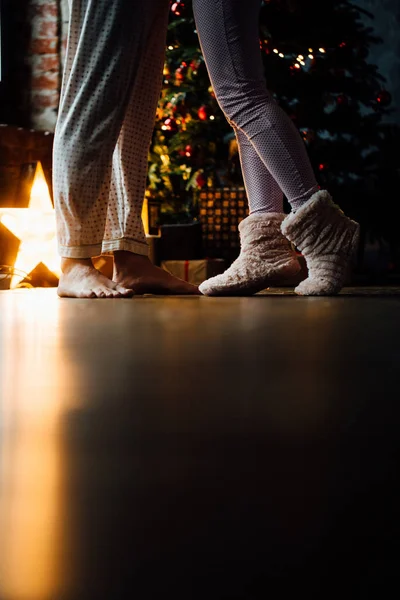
316, 64
191, 140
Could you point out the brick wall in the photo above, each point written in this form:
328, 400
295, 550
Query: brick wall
34, 51
44, 62
30, 100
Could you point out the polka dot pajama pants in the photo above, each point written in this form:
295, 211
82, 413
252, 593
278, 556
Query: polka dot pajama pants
109, 97
273, 155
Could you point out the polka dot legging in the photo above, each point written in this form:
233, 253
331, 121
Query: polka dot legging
111, 87
273, 155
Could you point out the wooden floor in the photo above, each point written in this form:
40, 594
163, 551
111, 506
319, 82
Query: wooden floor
200, 448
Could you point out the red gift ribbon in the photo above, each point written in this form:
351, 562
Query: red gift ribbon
187, 270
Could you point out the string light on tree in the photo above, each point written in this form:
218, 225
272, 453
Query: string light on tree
170, 125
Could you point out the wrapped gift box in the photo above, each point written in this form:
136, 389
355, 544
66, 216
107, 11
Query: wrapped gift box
194, 271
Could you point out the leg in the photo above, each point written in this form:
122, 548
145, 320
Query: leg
124, 227
263, 193
228, 31
124, 234
229, 36
266, 256
103, 59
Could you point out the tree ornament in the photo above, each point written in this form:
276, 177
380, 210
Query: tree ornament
171, 106
177, 8
179, 76
201, 180
194, 66
203, 113
342, 100
186, 152
384, 98
264, 46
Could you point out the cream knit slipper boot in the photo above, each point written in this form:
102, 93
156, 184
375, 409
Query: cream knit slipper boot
266, 257
327, 239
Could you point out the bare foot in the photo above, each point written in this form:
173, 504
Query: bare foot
137, 273
80, 279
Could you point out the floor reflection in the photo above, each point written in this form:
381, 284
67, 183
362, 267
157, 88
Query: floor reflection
198, 449
31, 470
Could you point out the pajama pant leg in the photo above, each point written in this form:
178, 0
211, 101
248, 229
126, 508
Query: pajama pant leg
107, 41
124, 226
229, 37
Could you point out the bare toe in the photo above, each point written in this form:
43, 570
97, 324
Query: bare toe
124, 291
100, 292
84, 281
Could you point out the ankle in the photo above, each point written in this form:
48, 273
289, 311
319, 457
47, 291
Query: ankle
68, 264
124, 258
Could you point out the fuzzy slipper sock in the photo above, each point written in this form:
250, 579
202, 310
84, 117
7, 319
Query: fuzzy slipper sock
327, 239
266, 257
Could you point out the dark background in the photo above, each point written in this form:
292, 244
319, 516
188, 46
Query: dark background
387, 55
